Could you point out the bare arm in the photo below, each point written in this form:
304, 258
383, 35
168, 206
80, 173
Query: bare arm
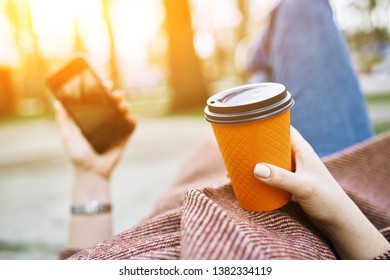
91, 183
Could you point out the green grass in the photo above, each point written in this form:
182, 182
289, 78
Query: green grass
379, 101
381, 127
24, 119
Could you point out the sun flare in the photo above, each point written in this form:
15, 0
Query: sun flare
134, 24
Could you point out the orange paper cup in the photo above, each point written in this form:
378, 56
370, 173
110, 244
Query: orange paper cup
252, 124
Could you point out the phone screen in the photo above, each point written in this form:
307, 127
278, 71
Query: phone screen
88, 103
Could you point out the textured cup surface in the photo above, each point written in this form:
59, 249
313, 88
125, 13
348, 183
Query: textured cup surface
245, 143
243, 146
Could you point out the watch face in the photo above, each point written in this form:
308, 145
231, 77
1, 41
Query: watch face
91, 208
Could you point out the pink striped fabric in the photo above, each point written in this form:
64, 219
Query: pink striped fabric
200, 219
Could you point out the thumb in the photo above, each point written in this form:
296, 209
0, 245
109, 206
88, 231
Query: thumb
277, 177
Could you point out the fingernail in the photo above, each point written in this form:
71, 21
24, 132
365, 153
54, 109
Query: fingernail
262, 171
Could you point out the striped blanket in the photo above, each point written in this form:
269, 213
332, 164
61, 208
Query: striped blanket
200, 219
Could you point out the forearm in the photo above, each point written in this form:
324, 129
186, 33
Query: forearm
356, 237
87, 230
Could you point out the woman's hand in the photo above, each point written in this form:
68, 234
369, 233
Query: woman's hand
82, 155
313, 186
91, 177
325, 202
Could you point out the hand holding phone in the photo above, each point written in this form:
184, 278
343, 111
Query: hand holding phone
90, 105
83, 157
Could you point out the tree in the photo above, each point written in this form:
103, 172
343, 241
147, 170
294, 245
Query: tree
7, 94
33, 70
114, 73
35, 64
188, 83
78, 42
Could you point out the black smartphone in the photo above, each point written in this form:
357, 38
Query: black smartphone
89, 103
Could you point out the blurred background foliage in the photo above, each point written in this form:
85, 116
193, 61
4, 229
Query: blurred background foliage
168, 55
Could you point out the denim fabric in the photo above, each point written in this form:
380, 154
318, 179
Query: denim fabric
303, 49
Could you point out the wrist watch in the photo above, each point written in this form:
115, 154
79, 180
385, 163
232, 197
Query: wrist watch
91, 208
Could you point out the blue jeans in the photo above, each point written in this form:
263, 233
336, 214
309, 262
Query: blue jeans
303, 49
